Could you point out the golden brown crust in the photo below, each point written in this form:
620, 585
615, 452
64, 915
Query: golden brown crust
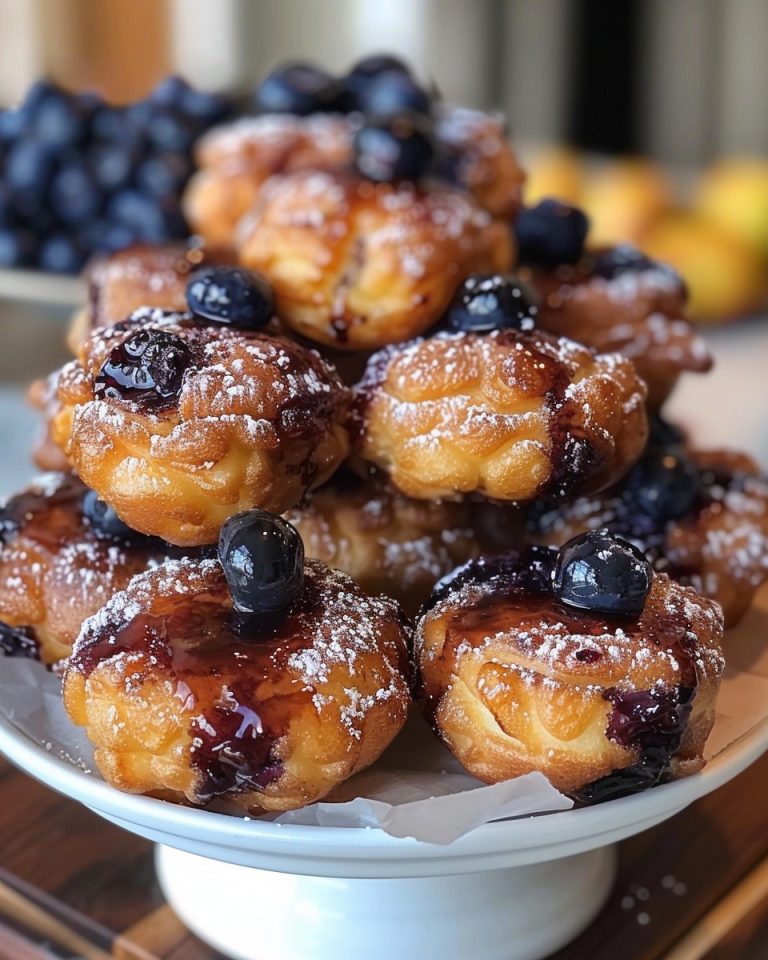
178, 705
236, 159
386, 542
138, 276
719, 547
516, 682
509, 415
258, 421
357, 265
55, 570
483, 160
640, 314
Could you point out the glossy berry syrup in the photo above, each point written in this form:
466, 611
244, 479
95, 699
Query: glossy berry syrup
651, 722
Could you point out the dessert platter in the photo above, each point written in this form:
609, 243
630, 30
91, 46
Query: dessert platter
366, 575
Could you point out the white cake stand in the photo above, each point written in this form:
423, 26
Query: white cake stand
256, 890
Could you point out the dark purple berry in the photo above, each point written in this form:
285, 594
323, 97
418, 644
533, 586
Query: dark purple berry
663, 435
146, 369
74, 196
551, 233
298, 88
624, 258
18, 642
169, 92
230, 295
604, 573
263, 560
367, 70
18, 247
58, 119
393, 148
664, 485
486, 303
61, 253
163, 175
393, 93
112, 165
103, 519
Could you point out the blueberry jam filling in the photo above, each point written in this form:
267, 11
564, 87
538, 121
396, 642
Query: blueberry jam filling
530, 569
231, 750
393, 148
551, 233
18, 641
494, 302
603, 573
651, 722
263, 560
147, 369
230, 295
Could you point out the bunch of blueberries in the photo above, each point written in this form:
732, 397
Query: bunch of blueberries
78, 175
395, 139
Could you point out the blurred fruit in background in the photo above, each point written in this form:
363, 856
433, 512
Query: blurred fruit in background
79, 175
718, 241
734, 194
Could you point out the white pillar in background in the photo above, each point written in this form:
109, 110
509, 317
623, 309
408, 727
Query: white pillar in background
535, 65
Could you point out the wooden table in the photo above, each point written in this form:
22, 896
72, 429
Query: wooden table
694, 888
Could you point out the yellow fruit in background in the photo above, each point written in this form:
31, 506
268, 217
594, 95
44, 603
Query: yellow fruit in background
724, 273
734, 194
554, 172
623, 198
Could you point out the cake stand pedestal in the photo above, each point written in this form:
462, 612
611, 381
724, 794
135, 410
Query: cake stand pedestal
517, 913
260, 890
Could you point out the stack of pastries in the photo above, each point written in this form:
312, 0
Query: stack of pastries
378, 435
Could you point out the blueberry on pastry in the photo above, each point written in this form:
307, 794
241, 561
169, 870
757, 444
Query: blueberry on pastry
63, 555
257, 678
584, 665
179, 423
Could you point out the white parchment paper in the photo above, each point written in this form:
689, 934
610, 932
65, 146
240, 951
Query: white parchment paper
416, 789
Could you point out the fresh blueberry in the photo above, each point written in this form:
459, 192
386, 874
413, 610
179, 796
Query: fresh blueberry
7, 207
12, 123
18, 247
59, 121
263, 560
393, 93
551, 233
616, 261
147, 369
169, 92
664, 485
367, 70
139, 213
164, 174
61, 253
298, 88
603, 573
171, 130
492, 302
230, 295
104, 520
112, 165
203, 107
110, 124
74, 195
393, 148
28, 167
663, 435
103, 234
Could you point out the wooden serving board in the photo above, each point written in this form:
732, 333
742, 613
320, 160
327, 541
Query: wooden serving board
72, 885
